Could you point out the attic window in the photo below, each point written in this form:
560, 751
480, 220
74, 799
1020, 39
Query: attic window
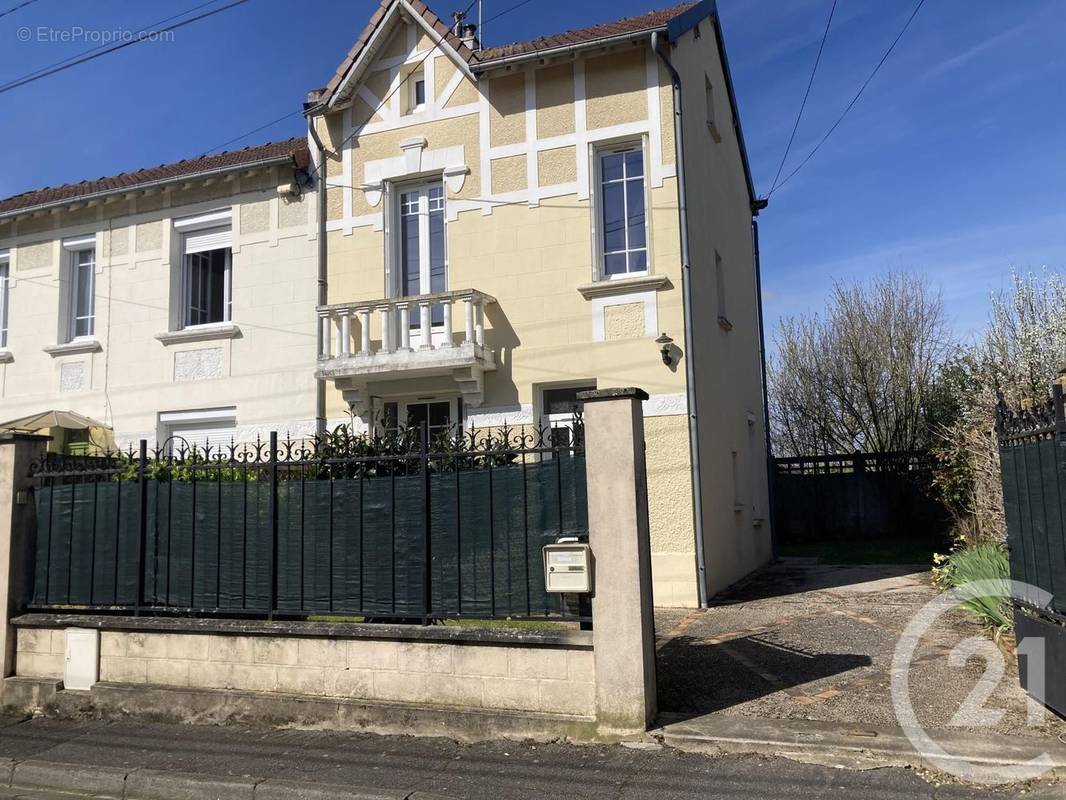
416, 83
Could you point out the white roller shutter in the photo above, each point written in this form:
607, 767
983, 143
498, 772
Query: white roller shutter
208, 239
201, 435
187, 429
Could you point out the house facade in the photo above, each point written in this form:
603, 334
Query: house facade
499, 230
504, 231
170, 302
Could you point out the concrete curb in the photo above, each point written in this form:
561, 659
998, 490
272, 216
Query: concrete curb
59, 777
150, 784
854, 746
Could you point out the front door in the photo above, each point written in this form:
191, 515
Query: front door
423, 267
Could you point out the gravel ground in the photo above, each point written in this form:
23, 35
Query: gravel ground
802, 640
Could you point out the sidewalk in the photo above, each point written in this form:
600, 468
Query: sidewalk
144, 761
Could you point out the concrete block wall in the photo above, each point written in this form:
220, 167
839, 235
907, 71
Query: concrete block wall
559, 680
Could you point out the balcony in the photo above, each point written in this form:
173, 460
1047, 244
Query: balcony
415, 339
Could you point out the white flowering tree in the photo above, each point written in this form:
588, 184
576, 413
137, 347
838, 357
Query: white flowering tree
1019, 355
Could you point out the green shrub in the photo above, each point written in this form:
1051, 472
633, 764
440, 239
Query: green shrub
981, 562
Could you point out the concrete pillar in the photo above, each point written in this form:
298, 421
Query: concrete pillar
17, 533
622, 609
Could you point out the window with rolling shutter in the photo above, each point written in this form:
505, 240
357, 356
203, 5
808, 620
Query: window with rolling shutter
214, 428
208, 239
207, 268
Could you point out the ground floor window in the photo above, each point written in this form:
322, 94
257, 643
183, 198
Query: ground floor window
561, 406
199, 429
439, 415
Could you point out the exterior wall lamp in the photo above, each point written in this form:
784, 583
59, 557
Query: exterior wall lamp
665, 349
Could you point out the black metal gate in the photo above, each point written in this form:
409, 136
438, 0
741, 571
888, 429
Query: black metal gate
1032, 456
404, 525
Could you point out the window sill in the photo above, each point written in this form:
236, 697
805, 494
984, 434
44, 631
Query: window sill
200, 333
74, 347
6, 356
605, 288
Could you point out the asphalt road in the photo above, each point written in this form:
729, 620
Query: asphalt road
493, 771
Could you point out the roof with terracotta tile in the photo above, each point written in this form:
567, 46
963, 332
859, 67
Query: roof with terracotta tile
628, 26
653, 20
233, 159
442, 30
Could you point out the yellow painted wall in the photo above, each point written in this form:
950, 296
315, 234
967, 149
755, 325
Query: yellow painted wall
736, 516
534, 253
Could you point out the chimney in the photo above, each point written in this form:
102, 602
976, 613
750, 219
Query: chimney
469, 36
457, 24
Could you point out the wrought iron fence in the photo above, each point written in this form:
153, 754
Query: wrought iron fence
405, 525
1032, 458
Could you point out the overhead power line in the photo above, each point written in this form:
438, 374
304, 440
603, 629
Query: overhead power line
18, 7
263, 127
83, 53
380, 105
98, 52
858, 94
806, 94
401, 84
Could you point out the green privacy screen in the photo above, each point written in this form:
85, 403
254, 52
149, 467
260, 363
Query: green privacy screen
343, 545
1034, 494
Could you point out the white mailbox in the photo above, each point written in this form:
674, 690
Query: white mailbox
568, 567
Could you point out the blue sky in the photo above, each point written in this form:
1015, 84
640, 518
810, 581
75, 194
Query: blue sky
950, 164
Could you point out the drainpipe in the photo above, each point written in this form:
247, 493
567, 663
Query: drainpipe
323, 256
756, 208
686, 295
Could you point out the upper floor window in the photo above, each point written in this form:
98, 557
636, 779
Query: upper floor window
421, 246
416, 88
82, 292
206, 270
623, 239
4, 272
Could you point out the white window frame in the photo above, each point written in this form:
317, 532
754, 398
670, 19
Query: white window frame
599, 150
186, 290
413, 79
217, 220
73, 248
5, 304
395, 251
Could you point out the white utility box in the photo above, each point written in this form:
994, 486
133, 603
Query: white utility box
568, 567
82, 667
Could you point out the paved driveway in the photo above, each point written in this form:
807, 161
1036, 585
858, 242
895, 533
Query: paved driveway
803, 640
